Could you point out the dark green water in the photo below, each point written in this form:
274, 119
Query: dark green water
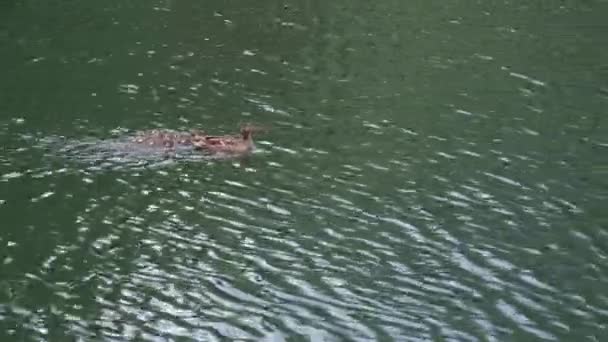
435, 171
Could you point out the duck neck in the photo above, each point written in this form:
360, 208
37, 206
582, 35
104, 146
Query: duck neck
246, 135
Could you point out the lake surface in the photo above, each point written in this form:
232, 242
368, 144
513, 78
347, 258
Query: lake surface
434, 171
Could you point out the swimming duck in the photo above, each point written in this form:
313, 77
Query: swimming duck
229, 144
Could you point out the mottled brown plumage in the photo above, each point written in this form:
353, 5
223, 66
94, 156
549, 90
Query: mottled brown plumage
168, 139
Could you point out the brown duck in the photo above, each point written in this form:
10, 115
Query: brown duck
228, 144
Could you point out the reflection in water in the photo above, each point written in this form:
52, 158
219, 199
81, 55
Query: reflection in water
420, 181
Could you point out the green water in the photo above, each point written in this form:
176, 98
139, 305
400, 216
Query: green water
434, 171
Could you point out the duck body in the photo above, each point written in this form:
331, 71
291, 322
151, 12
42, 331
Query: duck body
167, 139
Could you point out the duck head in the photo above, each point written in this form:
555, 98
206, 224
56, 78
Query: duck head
247, 130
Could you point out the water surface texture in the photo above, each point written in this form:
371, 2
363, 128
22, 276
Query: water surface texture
434, 171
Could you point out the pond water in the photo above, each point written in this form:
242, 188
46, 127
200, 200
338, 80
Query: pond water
433, 171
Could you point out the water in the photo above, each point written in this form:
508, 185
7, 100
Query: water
434, 171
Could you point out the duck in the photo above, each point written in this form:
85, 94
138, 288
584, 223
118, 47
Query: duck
241, 144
